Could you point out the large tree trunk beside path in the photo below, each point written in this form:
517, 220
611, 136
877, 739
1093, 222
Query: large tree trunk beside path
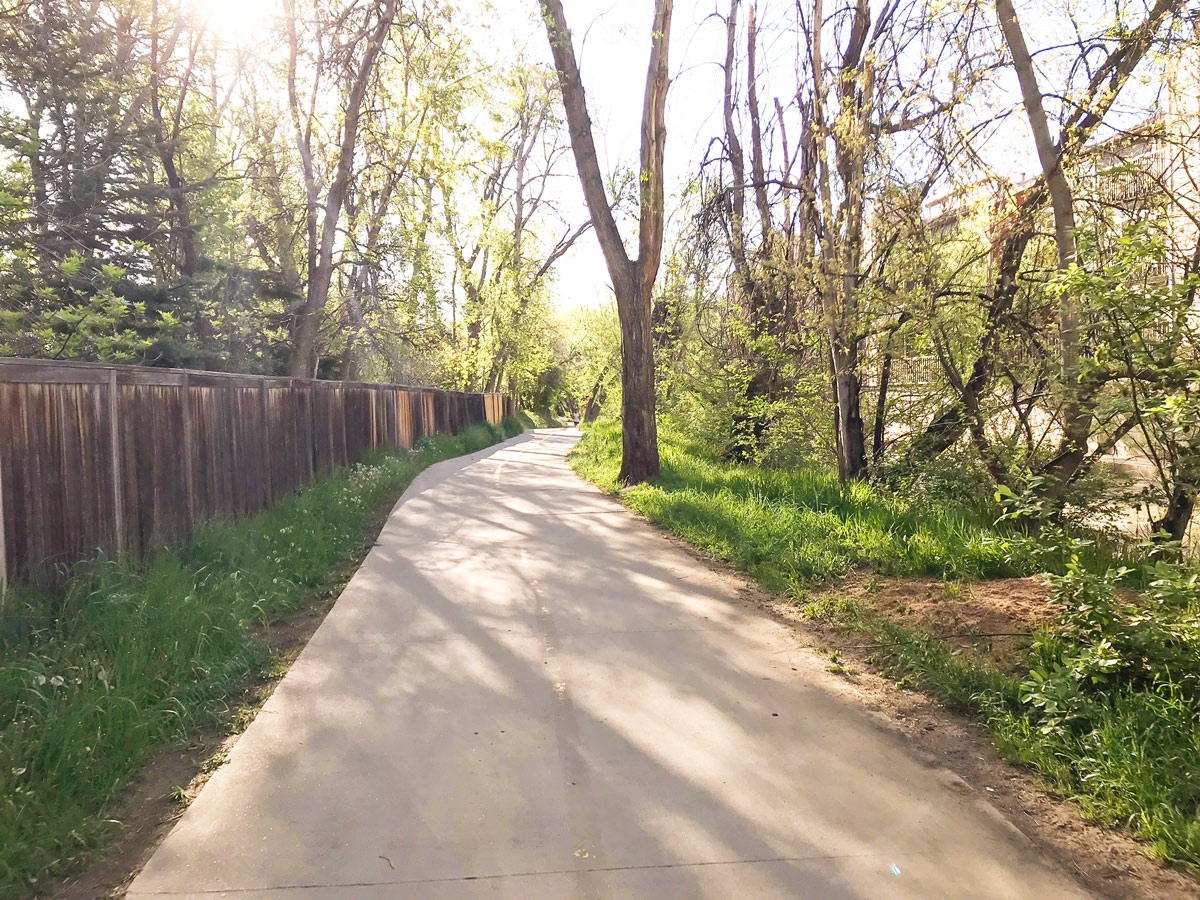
632, 279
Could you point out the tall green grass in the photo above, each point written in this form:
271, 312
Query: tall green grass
798, 527
539, 418
1110, 717
1133, 761
132, 657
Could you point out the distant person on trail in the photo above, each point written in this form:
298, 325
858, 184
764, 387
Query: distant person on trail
576, 417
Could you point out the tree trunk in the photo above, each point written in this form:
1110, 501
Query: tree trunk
1174, 522
749, 422
1077, 420
592, 408
949, 425
885, 375
632, 279
639, 431
1105, 84
166, 140
320, 275
852, 445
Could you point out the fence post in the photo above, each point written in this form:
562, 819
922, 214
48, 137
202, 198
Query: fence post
374, 395
114, 419
344, 408
3, 538
266, 439
304, 429
189, 459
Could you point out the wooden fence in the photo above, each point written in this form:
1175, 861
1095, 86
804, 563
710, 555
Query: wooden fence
121, 459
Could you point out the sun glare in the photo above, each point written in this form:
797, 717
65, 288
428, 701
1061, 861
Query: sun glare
235, 21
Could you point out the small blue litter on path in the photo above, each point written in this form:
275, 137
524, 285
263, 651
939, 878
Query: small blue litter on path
895, 870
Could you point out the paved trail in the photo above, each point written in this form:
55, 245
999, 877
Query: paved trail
527, 693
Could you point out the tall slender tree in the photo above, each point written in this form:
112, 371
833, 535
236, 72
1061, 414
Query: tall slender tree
1114, 70
632, 277
323, 214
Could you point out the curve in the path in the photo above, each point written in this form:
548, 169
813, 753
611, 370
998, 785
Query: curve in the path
526, 692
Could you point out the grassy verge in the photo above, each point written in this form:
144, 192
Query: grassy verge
538, 418
134, 657
1110, 711
1127, 752
790, 529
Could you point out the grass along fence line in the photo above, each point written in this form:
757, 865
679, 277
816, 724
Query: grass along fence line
124, 459
131, 657
1109, 713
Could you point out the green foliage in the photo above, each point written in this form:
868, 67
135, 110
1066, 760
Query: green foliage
592, 360
171, 224
1137, 764
1129, 754
538, 418
1110, 711
505, 241
1144, 363
100, 326
1106, 643
134, 657
798, 527
727, 377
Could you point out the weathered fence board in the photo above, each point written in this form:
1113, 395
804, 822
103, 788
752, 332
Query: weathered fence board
121, 459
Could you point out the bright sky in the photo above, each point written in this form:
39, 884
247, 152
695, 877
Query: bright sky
612, 40
612, 43
235, 22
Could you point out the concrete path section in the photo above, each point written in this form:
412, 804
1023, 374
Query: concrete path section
527, 693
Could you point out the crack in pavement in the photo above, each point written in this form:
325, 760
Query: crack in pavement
451, 879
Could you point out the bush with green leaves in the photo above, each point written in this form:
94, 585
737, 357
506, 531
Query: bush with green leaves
1107, 642
1110, 712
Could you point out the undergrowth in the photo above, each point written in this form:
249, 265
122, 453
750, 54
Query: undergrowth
799, 527
1109, 713
538, 418
126, 658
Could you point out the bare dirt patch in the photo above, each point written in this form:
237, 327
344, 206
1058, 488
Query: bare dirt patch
995, 620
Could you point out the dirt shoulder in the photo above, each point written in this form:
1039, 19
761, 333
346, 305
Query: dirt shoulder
1107, 861
993, 620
